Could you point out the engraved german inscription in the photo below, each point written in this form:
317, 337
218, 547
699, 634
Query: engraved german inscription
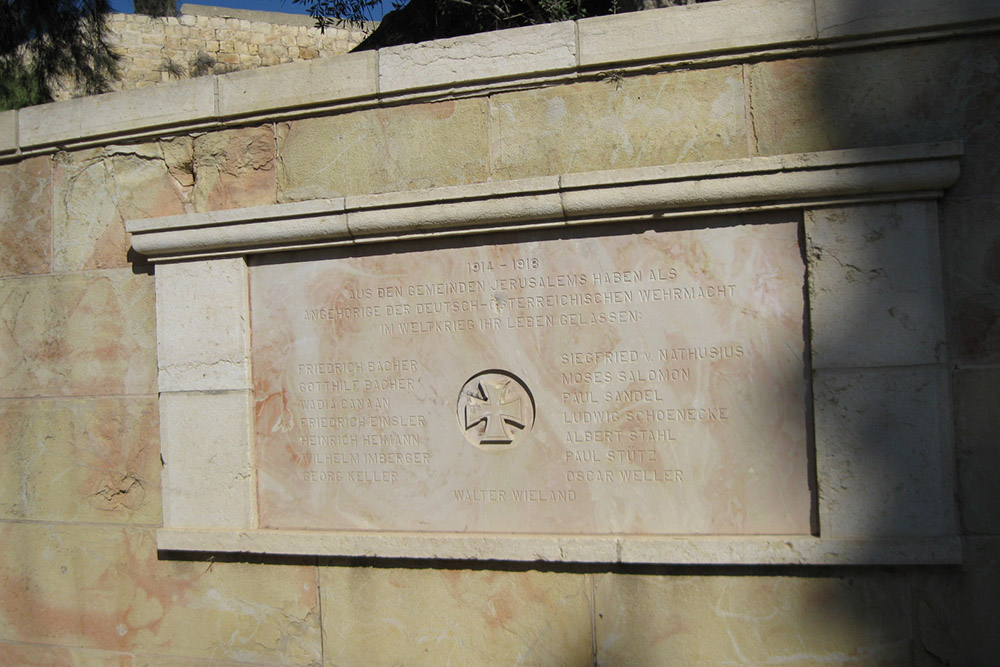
648, 382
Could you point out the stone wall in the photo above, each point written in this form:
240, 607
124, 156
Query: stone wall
215, 40
81, 581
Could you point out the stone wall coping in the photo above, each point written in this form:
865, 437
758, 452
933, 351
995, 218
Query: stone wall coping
683, 550
255, 15
830, 177
566, 51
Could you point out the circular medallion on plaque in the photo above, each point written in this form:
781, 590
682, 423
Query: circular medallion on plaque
495, 410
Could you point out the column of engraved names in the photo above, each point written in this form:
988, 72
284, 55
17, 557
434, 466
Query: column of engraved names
629, 413
347, 429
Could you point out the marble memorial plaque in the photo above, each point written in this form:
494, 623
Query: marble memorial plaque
649, 382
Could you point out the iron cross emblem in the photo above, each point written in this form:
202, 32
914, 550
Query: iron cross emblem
499, 405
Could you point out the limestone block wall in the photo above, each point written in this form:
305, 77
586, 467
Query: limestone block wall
81, 581
214, 40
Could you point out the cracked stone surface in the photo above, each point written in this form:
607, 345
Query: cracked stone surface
26, 217
885, 290
884, 464
377, 616
502, 53
93, 460
96, 191
77, 335
383, 150
234, 169
103, 587
618, 122
755, 619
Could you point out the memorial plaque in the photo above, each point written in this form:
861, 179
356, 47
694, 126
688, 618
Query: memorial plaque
643, 381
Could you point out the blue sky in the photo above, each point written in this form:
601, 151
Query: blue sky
286, 6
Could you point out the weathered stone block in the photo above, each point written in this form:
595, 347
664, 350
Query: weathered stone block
715, 620
72, 120
203, 343
99, 587
619, 122
972, 261
96, 190
900, 95
690, 29
26, 217
52, 656
99, 462
234, 169
383, 150
8, 131
163, 661
488, 55
840, 19
432, 617
955, 609
977, 444
883, 452
82, 334
208, 476
875, 290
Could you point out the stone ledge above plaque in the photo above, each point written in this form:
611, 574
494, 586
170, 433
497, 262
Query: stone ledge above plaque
621, 366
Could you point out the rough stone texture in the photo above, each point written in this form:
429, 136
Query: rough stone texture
931, 92
234, 169
883, 453
97, 587
118, 602
99, 462
875, 276
82, 117
755, 619
618, 122
504, 53
316, 81
954, 609
96, 190
977, 434
839, 19
8, 131
82, 334
383, 150
972, 258
203, 343
51, 656
435, 617
213, 484
159, 49
693, 29
26, 217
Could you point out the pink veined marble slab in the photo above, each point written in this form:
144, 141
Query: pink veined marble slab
645, 383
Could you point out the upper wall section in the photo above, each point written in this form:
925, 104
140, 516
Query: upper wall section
599, 47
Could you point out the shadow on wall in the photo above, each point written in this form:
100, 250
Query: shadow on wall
940, 90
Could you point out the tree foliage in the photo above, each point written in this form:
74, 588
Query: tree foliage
420, 20
42, 41
155, 7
